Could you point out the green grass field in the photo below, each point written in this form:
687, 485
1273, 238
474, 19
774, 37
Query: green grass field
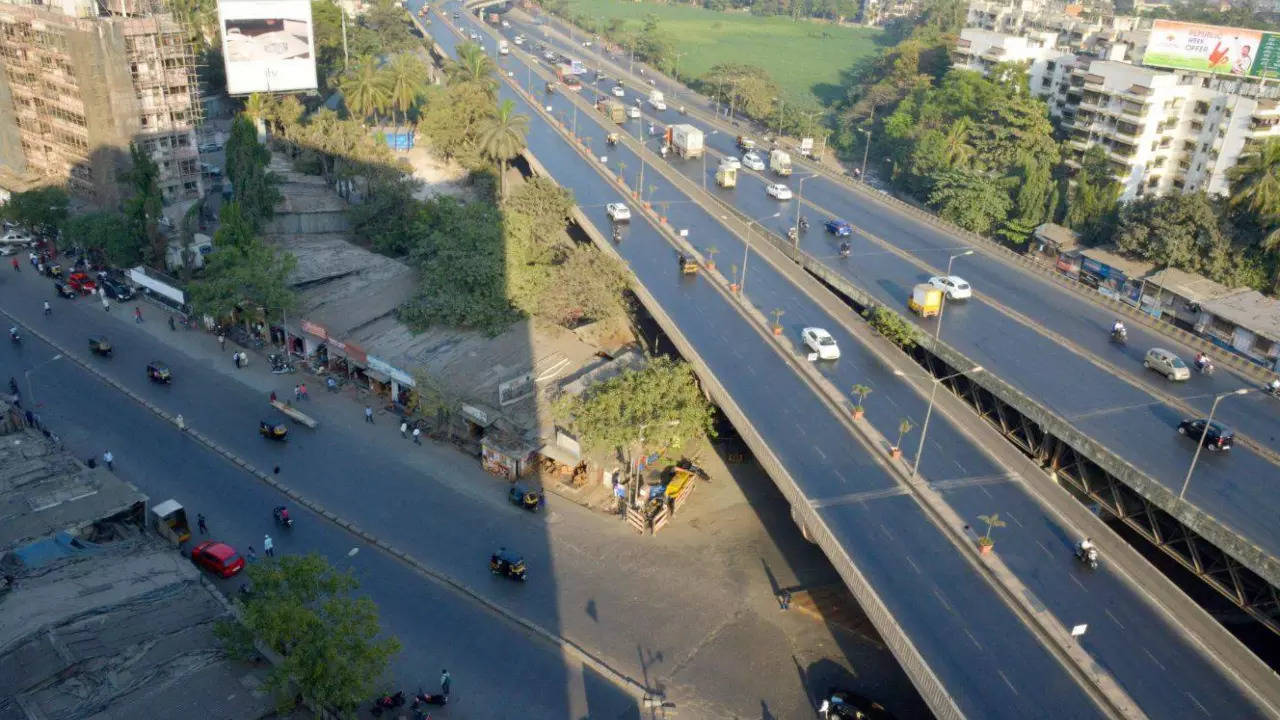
805, 58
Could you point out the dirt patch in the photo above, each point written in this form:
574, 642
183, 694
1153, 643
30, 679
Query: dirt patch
437, 176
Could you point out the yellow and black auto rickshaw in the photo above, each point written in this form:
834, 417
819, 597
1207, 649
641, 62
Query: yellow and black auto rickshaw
272, 431
98, 345
158, 372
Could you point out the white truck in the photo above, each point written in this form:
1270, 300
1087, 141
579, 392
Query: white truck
657, 100
780, 162
806, 147
686, 140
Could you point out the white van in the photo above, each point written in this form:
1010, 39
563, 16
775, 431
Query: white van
503, 48
1167, 364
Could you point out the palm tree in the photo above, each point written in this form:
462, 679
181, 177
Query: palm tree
472, 66
956, 149
1255, 183
259, 106
364, 90
502, 138
406, 80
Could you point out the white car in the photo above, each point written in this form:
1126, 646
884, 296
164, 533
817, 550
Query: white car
633, 112
519, 40
778, 190
618, 212
731, 162
955, 287
17, 237
618, 91
821, 342
753, 161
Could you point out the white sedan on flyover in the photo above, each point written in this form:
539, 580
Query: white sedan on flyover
618, 91
618, 212
955, 287
821, 342
778, 190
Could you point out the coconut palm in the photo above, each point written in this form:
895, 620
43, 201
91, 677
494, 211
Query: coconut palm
502, 138
473, 66
364, 90
406, 80
259, 106
1255, 183
956, 150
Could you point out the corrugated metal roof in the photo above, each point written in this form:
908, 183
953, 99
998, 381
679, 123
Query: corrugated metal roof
1250, 310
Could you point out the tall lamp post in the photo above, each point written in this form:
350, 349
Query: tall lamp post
924, 428
1199, 446
746, 248
799, 203
31, 388
865, 149
937, 329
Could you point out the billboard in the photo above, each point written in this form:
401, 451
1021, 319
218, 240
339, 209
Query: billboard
268, 45
1213, 49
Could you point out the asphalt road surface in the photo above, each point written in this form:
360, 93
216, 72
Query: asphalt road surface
778, 404
1013, 327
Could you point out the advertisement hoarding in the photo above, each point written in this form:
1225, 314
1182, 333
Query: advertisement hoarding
1213, 49
268, 45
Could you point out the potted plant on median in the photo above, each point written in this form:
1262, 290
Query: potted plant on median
904, 427
861, 392
985, 543
711, 257
777, 321
737, 283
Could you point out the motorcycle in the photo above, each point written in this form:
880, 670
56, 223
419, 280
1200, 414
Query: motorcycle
1205, 368
387, 702
1088, 557
1272, 390
279, 365
844, 250
792, 235
617, 235
281, 514
424, 698
804, 224
1119, 337
14, 336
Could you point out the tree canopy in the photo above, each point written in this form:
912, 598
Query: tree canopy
660, 407
329, 640
42, 209
254, 187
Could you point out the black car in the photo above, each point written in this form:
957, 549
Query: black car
116, 288
845, 705
1219, 436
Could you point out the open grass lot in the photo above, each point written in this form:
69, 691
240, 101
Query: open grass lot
805, 58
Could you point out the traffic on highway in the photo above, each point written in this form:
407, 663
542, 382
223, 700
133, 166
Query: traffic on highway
702, 313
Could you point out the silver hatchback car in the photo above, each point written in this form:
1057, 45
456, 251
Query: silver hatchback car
1166, 363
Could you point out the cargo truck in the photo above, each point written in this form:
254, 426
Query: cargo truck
170, 520
686, 140
657, 100
780, 162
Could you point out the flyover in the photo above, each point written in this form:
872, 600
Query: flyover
1055, 385
768, 398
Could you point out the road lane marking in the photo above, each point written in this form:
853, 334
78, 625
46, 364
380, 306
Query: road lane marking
819, 451
1076, 580
1012, 517
1154, 660
857, 497
938, 594
1113, 618
1203, 709
913, 565
1045, 549
973, 639
1006, 682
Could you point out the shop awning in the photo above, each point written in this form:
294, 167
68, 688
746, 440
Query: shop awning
380, 377
559, 454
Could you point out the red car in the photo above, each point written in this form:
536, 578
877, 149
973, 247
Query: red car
217, 557
82, 282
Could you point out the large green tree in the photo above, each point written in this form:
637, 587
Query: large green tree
472, 67
365, 90
748, 89
329, 641
245, 269
660, 407
144, 207
406, 81
1094, 197
107, 233
451, 120
501, 138
970, 199
254, 187
42, 209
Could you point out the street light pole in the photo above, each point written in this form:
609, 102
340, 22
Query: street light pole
31, 388
1213, 408
865, 150
937, 330
799, 203
746, 248
924, 428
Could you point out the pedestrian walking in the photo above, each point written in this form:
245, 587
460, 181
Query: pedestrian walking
31, 418
297, 392
108, 458
268, 547
137, 313
368, 414
32, 257
106, 306
172, 326
253, 556
303, 389
404, 429
47, 309
784, 599
273, 396
16, 266
222, 342
444, 682
200, 523
182, 424
417, 434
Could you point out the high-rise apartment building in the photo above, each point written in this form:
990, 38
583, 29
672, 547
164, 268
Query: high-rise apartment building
80, 81
1165, 131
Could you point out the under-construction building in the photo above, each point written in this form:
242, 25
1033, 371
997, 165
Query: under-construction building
81, 80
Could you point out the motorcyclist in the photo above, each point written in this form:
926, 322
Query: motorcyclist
1274, 386
1085, 546
1118, 328
13, 333
804, 223
844, 249
792, 235
1202, 361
